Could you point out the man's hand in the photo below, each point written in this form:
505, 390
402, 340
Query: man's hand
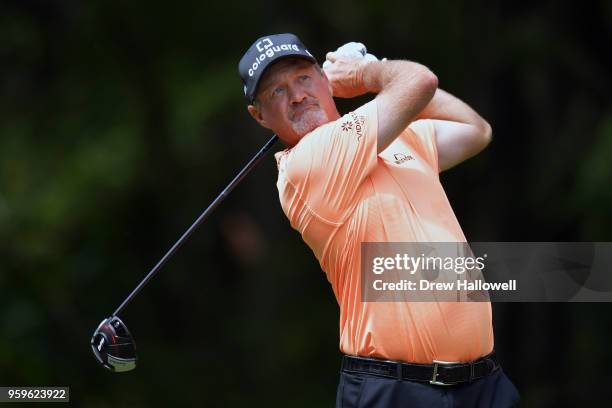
345, 74
353, 49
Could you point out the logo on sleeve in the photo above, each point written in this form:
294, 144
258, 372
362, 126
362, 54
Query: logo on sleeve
401, 158
356, 122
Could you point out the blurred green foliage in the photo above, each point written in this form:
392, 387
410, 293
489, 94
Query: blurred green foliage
119, 122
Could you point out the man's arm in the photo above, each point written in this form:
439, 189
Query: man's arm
404, 89
460, 132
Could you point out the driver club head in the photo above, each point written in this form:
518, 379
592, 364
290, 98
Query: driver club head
113, 345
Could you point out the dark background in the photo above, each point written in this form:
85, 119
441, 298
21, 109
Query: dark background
121, 121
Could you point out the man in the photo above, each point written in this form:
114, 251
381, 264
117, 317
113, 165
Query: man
341, 183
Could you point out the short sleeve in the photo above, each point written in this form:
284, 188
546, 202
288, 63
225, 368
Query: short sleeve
328, 165
421, 135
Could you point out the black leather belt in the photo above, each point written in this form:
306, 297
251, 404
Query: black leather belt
438, 373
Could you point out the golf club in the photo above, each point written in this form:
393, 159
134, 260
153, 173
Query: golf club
112, 342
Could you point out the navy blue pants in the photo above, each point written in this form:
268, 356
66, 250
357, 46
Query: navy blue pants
370, 391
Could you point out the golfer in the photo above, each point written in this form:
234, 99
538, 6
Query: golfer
372, 175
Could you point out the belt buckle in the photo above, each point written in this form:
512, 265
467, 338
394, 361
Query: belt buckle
434, 377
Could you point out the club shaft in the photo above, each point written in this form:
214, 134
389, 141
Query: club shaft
252, 163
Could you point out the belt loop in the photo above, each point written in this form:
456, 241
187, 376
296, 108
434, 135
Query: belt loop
399, 371
472, 371
491, 363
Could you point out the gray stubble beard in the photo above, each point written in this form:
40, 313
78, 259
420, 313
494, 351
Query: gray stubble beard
309, 121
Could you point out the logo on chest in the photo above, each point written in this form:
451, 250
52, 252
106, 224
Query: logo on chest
401, 158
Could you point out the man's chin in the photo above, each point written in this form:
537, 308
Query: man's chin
309, 121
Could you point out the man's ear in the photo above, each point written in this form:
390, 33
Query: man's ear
256, 114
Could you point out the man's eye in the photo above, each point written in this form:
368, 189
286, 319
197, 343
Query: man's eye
304, 78
278, 91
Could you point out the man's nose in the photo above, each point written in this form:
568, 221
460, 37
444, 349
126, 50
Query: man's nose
296, 94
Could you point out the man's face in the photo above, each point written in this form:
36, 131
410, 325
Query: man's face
293, 99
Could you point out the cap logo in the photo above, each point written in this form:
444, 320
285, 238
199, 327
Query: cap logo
267, 52
268, 44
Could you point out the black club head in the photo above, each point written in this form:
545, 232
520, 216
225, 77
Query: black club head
113, 345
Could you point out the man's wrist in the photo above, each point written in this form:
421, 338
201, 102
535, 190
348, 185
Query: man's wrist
369, 74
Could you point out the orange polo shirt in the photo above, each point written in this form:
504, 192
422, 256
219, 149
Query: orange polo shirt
338, 192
